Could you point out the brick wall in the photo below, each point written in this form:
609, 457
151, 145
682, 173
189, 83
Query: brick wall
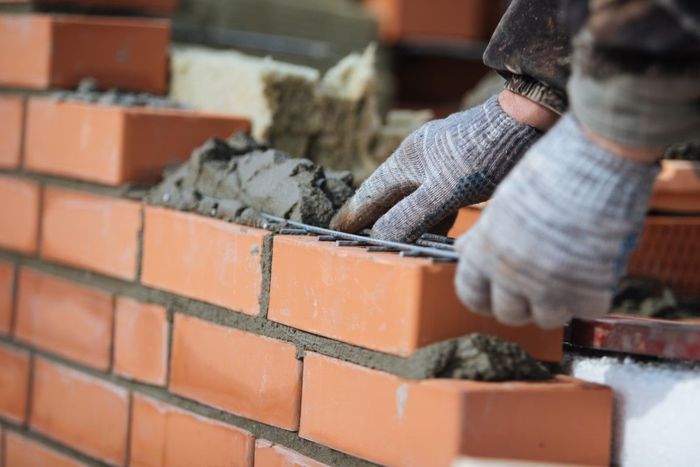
137, 335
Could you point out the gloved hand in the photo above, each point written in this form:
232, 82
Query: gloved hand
442, 166
554, 240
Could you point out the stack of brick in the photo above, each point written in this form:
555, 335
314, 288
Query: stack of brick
138, 335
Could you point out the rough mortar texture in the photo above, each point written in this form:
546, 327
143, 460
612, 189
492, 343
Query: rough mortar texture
475, 357
689, 151
88, 91
237, 179
651, 299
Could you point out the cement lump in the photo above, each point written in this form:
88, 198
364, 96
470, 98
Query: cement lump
237, 179
475, 357
651, 299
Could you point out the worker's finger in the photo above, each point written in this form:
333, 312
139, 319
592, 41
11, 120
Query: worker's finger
510, 308
382, 190
411, 217
473, 288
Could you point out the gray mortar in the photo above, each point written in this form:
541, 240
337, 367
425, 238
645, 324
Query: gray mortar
237, 179
88, 92
475, 357
651, 299
266, 268
688, 151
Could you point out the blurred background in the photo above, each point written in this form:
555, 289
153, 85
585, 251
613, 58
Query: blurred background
429, 53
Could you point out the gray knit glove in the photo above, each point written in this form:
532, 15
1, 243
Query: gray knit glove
555, 239
442, 166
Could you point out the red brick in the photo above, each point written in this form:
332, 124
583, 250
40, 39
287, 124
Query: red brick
202, 258
14, 383
65, 318
141, 341
677, 188
115, 144
7, 285
246, 374
81, 411
164, 436
12, 118
268, 454
19, 211
393, 421
92, 232
380, 301
42, 51
24, 452
438, 19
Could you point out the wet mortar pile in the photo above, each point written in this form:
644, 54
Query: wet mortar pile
238, 179
649, 298
474, 357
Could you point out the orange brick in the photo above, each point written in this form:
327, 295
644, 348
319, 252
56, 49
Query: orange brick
677, 188
12, 118
24, 452
246, 374
268, 454
116, 144
19, 211
432, 422
65, 318
89, 231
380, 301
80, 411
141, 341
42, 51
14, 383
202, 258
466, 219
7, 285
438, 19
162, 435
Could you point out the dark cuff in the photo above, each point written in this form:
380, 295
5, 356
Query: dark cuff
547, 96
